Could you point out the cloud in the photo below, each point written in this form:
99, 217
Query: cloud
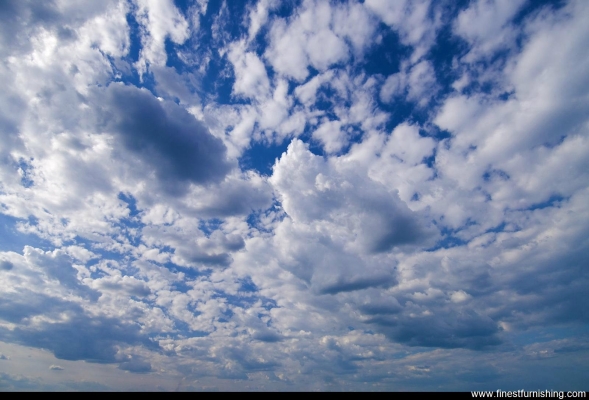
485, 25
312, 189
162, 20
136, 366
417, 84
314, 195
251, 79
79, 338
306, 39
165, 137
416, 22
462, 329
6, 265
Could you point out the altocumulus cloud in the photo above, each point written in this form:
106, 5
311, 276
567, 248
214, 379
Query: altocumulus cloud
322, 195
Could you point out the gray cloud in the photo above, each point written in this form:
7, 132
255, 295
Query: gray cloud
137, 366
58, 265
80, 338
396, 259
6, 265
449, 330
164, 137
350, 285
17, 306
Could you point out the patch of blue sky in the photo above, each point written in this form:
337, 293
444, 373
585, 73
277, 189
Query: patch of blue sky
443, 54
383, 58
449, 238
181, 330
131, 203
531, 7
190, 274
184, 6
268, 303
128, 74
495, 174
247, 285
254, 219
25, 169
554, 200
12, 239
497, 229
217, 83
241, 300
326, 99
209, 226
261, 157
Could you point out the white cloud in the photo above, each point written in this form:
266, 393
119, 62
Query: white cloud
416, 22
485, 25
258, 16
251, 79
416, 83
331, 135
307, 39
161, 20
131, 236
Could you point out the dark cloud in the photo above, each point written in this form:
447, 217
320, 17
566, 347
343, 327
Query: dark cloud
453, 329
17, 306
93, 339
234, 197
136, 366
390, 225
267, 336
222, 259
6, 265
350, 285
164, 137
376, 308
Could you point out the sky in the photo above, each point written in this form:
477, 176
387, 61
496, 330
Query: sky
294, 195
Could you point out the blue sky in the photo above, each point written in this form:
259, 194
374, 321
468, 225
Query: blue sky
294, 195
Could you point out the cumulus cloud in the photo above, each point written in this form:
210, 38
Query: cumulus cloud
417, 84
306, 39
281, 196
161, 21
136, 366
80, 338
486, 26
313, 190
164, 136
415, 21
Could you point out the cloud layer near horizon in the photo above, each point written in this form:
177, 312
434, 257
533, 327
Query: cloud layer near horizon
322, 195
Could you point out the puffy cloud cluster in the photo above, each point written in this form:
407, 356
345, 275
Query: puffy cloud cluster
423, 226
